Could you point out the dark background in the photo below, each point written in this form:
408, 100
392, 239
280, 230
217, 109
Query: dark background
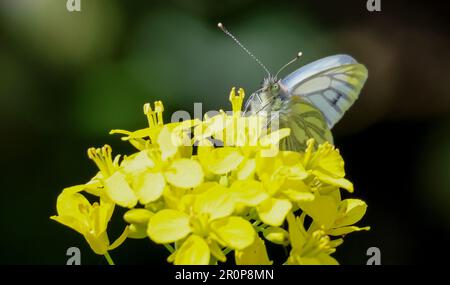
66, 79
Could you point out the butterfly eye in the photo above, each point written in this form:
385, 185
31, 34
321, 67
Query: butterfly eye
275, 87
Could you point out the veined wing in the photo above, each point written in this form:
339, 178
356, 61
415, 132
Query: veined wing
305, 122
331, 84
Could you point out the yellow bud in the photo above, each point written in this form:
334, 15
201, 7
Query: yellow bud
137, 216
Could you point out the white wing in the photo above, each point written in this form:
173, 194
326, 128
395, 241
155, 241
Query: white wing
332, 84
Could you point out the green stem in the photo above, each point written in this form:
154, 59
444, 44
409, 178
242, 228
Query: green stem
227, 250
262, 228
256, 223
169, 248
109, 259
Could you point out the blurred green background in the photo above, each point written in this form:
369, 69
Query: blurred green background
66, 79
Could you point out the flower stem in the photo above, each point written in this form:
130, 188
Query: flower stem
109, 259
227, 250
256, 223
169, 248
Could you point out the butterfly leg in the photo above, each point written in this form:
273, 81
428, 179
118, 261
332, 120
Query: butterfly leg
247, 103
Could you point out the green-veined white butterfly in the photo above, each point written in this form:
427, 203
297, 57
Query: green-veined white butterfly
309, 101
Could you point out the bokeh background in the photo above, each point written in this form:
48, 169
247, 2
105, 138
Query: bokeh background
66, 79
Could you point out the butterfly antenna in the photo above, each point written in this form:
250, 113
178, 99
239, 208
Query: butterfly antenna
222, 27
299, 54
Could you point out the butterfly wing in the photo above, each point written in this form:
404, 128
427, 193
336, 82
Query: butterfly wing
317, 95
332, 84
305, 122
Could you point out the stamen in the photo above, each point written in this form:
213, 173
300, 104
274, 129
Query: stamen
103, 159
155, 118
159, 109
149, 113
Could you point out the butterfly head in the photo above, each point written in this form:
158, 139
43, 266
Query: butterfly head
271, 84
272, 88
272, 93
269, 97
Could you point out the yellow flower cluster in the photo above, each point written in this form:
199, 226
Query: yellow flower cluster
205, 189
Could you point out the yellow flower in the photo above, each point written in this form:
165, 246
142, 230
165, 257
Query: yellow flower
350, 211
326, 164
203, 224
175, 136
249, 133
224, 127
226, 187
291, 177
309, 248
90, 220
335, 217
102, 157
163, 160
144, 177
281, 183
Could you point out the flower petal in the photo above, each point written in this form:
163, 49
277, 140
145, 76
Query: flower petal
350, 212
184, 173
255, 254
346, 230
323, 210
297, 233
249, 192
273, 211
327, 158
137, 163
194, 251
219, 160
72, 204
168, 143
247, 169
340, 182
216, 251
267, 164
72, 223
74, 189
168, 226
297, 191
234, 232
119, 191
149, 187
217, 202
100, 215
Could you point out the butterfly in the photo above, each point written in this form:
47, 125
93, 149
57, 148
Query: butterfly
310, 100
